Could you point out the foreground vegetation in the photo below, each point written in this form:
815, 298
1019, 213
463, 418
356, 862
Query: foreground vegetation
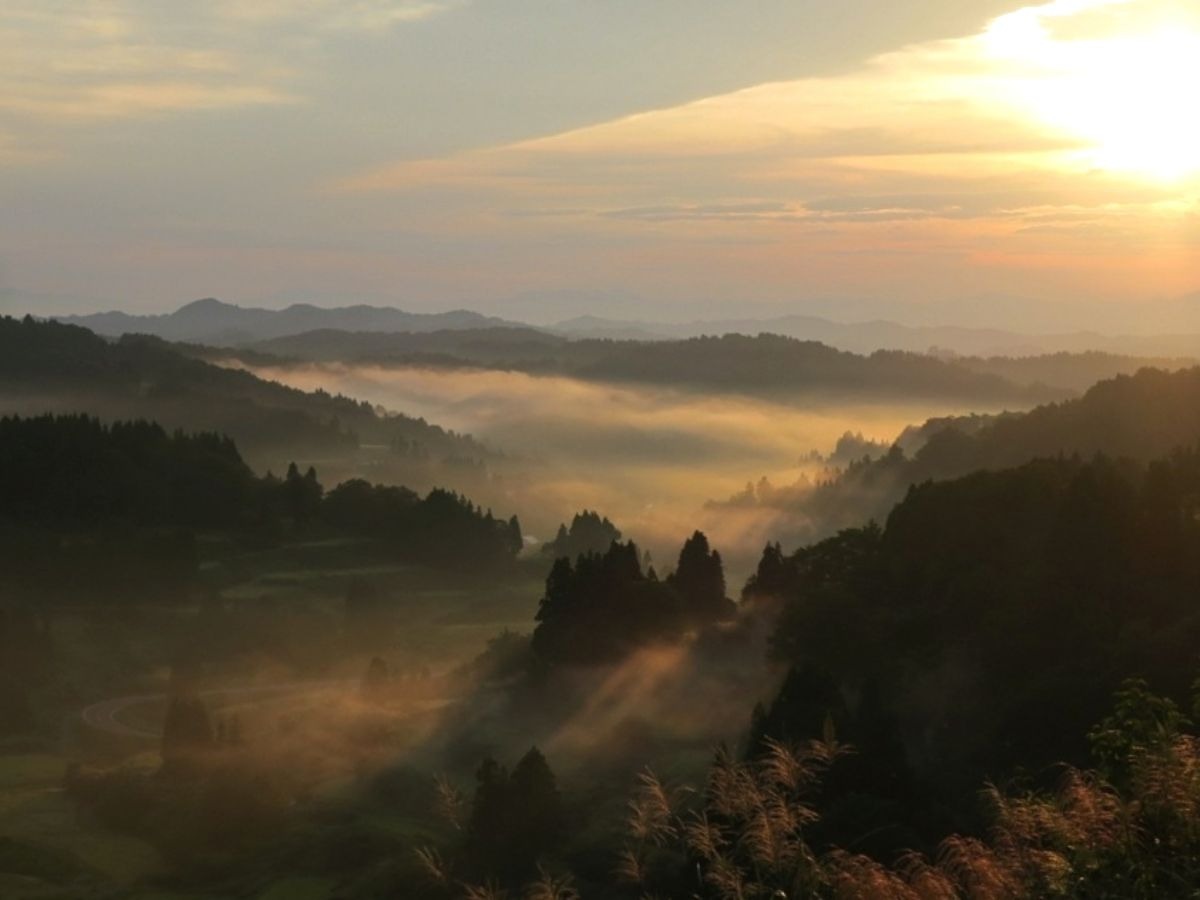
368, 691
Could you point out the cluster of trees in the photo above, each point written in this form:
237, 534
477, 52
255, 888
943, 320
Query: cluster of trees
603, 606
986, 625
188, 735
441, 527
90, 507
516, 818
589, 533
514, 824
75, 471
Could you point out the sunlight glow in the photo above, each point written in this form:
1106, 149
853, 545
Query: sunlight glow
1126, 94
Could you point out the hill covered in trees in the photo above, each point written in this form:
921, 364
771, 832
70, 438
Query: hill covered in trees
746, 363
778, 366
984, 627
1140, 416
87, 508
765, 365
51, 367
992, 688
1070, 371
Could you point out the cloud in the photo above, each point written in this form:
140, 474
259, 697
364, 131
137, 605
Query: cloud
723, 211
16, 152
938, 170
78, 61
947, 114
342, 15
950, 157
81, 60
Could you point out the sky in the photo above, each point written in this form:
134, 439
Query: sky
975, 162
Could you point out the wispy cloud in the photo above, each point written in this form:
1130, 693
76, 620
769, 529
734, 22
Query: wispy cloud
950, 111
87, 60
83, 60
1003, 162
944, 150
351, 15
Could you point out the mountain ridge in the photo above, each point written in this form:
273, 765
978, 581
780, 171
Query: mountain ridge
218, 323
884, 334
214, 321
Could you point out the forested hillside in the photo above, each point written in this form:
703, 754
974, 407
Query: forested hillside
992, 616
764, 365
51, 367
89, 509
1140, 416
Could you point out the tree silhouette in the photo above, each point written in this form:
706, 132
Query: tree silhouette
540, 824
375, 679
187, 734
699, 578
589, 533
515, 818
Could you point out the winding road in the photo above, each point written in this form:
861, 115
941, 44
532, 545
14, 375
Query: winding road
106, 715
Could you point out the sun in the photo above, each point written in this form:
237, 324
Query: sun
1129, 98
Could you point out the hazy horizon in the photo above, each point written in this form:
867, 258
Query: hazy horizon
992, 163
547, 310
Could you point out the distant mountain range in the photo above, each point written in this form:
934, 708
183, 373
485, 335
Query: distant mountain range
211, 321
216, 323
867, 337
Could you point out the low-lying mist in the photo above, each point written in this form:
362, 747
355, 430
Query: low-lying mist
647, 457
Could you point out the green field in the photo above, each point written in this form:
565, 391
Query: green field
45, 844
438, 620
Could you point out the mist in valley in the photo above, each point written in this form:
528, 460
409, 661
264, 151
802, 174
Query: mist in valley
649, 458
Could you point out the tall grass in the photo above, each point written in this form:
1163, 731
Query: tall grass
745, 838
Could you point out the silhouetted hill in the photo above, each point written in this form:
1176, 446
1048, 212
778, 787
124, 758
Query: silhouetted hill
498, 347
1070, 371
772, 364
867, 337
1139, 417
53, 367
211, 321
763, 365
996, 613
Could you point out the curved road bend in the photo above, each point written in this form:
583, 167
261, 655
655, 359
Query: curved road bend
105, 715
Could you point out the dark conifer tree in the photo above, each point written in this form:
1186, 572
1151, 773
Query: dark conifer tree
489, 826
375, 679
700, 580
808, 702
535, 793
773, 579
187, 734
